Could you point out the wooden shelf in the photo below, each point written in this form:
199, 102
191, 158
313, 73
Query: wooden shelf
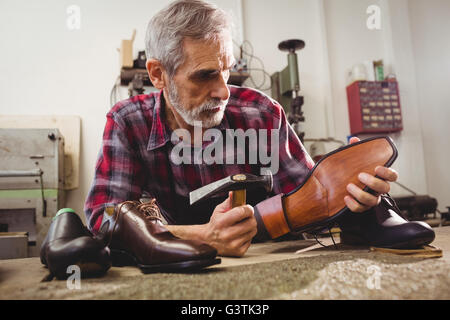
238, 78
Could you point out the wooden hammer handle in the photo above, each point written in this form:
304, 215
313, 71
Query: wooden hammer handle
238, 198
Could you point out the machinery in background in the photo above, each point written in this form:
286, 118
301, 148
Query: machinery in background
31, 188
133, 72
136, 86
445, 216
286, 86
140, 76
421, 208
417, 207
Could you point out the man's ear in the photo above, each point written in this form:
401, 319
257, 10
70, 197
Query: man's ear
156, 73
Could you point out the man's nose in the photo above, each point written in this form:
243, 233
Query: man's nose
220, 89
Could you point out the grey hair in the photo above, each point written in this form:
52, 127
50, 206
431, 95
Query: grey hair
166, 31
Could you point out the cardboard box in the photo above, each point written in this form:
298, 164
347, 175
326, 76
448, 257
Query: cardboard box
126, 52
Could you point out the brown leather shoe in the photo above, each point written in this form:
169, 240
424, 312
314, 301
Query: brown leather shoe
319, 201
136, 236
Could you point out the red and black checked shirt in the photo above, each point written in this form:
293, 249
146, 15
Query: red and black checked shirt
135, 158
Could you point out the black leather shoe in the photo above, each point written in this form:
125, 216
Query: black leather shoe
383, 226
69, 242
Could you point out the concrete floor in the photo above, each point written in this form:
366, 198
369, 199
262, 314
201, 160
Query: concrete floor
279, 270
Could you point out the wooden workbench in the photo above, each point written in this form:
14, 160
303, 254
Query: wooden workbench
274, 270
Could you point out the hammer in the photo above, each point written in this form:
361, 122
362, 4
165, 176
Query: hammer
237, 183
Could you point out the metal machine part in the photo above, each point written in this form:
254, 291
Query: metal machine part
31, 182
136, 86
286, 86
417, 207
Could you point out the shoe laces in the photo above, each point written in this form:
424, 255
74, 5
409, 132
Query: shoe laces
314, 234
150, 209
391, 204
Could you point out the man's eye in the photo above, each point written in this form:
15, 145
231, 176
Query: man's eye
207, 75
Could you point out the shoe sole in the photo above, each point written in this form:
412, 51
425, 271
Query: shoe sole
121, 258
351, 239
320, 197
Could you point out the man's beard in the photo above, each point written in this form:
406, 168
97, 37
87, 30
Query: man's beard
192, 117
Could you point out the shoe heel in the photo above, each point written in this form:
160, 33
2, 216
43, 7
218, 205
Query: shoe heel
120, 258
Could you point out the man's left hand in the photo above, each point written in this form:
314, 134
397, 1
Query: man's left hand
359, 200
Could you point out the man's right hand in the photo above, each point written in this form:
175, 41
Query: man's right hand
231, 230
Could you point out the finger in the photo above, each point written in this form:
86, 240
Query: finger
225, 205
245, 246
354, 139
353, 205
385, 173
378, 185
239, 213
362, 196
245, 229
241, 247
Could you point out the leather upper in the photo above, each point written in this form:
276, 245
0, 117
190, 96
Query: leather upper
383, 226
69, 242
146, 238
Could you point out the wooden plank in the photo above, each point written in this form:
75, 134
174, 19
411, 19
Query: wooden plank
70, 128
427, 251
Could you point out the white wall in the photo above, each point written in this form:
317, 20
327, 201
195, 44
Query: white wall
266, 24
47, 69
350, 42
430, 24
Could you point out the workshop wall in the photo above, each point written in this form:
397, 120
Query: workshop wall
430, 23
337, 38
265, 26
401, 46
350, 43
48, 69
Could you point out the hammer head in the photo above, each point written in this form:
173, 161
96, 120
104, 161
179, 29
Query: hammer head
242, 181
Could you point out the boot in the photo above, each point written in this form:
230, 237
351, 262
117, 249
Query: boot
384, 226
69, 242
136, 236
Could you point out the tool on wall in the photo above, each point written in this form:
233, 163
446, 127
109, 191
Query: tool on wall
286, 86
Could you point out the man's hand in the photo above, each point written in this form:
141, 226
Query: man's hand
230, 230
359, 200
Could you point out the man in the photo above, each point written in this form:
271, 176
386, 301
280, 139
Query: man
190, 55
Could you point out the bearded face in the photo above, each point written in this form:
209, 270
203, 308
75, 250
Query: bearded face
198, 90
210, 113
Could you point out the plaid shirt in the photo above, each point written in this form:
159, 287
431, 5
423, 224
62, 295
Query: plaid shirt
134, 159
